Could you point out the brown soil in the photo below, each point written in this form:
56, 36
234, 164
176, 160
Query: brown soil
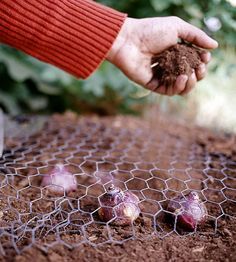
179, 59
168, 156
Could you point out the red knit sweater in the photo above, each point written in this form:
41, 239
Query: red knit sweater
74, 35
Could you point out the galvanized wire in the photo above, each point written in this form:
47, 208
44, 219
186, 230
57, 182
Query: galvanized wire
156, 162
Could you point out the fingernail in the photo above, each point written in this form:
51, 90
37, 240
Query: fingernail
184, 78
215, 42
202, 67
153, 85
208, 56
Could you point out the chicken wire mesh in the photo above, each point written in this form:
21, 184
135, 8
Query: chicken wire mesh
156, 161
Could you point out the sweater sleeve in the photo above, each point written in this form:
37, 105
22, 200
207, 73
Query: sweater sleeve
74, 35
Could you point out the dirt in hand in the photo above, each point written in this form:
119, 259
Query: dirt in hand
179, 59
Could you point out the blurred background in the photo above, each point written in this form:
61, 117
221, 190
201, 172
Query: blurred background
29, 86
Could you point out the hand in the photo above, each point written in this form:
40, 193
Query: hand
140, 39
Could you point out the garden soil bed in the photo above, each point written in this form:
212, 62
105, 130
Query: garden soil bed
156, 160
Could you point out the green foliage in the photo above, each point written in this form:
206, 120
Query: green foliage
28, 85
190, 10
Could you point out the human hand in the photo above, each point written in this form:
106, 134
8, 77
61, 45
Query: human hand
140, 39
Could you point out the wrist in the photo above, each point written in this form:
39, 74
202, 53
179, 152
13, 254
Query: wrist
119, 42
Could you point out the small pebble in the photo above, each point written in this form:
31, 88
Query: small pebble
92, 238
211, 179
198, 249
227, 232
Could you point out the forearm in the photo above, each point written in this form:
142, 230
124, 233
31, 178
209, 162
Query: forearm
74, 35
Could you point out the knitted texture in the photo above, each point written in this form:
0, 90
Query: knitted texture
74, 35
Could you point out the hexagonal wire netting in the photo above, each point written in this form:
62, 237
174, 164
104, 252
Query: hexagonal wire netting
156, 161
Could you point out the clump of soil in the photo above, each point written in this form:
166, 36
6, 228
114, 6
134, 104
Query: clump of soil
179, 59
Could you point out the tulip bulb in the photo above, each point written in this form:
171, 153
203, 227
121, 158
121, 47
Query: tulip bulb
60, 180
120, 206
190, 211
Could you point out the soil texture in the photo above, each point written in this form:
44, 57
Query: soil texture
156, 161
179, 59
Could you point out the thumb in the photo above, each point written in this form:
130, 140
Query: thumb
196, 36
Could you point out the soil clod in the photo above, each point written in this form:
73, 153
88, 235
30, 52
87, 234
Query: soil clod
179, 59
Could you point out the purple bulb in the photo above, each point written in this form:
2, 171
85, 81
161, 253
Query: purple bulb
190, 211
60, 180
120, 206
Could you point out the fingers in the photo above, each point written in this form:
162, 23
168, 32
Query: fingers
195, 36
206, 57
180, 84
178, 87
153, 85
192, 80
183, 84
202, 69
201, 72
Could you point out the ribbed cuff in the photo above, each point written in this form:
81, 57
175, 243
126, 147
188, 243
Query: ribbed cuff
74, 35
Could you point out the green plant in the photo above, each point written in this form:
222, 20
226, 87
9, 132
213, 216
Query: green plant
28, 85
195, 12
